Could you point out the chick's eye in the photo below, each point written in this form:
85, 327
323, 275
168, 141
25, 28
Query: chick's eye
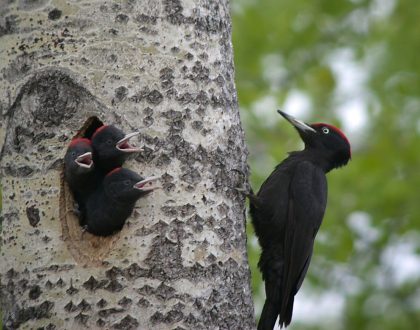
108, 142
325, 130
73, 154
127, 182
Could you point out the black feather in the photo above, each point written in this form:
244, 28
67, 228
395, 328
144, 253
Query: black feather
287, 213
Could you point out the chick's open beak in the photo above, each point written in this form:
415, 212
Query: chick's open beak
124, 145
85, 160
148, 184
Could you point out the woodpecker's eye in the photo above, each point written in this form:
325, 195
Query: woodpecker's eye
73, 154
109, 142
127, 182
325, 130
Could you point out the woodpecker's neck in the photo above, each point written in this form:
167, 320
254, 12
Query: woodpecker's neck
313, 156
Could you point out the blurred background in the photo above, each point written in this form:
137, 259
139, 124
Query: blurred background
354, 64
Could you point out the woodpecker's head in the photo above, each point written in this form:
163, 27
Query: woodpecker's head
111, 145
126, 186
79, 156
327, 142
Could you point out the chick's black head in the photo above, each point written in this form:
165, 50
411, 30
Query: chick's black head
78, 158
105, 139
111, 146
126, 186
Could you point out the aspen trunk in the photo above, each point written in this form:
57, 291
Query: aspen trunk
165, 67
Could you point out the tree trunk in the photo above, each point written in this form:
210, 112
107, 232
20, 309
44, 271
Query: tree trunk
165, 67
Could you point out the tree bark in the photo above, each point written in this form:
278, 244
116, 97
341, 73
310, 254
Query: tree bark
165, 67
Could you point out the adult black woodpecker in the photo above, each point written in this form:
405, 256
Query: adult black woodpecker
287, 213
79, 170
111, 147
111, 204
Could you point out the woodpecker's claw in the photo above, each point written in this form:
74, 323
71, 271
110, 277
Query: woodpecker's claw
242, 190
124, 146
245, 189
148, 184
85, 160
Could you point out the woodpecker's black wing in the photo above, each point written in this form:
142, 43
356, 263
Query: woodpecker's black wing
269, 207
306, 207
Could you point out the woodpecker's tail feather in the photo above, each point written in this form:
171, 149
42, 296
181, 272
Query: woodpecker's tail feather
268, 316
270, 313
277, 304
272, 275
286, 314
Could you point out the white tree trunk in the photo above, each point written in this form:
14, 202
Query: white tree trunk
165, 66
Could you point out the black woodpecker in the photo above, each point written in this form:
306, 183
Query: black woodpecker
111, 147
287, 213
79, 171
111, 204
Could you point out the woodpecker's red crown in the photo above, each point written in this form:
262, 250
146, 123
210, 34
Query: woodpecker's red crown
99, 130
77, 141
115, 170
335, 129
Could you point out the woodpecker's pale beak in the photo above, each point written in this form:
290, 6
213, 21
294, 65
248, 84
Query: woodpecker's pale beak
124, 146
148, 184
85, 160
299, 125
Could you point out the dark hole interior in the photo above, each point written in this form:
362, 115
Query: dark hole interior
89, 127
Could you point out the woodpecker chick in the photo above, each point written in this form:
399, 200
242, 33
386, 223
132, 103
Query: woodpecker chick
79, 170
287, 213
111, 204
111, 147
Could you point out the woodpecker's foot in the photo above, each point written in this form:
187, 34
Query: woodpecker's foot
242, 190
245, 189
248, 192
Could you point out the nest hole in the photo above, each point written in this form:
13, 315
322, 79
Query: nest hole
89, 127
87, 249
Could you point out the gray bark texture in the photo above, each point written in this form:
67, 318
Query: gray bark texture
164, 67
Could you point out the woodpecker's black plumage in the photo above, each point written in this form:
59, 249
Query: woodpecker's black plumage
111, 147
113, 201
287, 213
79, 171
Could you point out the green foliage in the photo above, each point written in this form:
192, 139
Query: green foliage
287, 46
